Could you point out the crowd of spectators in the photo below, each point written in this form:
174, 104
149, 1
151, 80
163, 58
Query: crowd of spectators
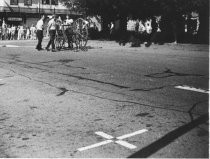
20, 32
155, 29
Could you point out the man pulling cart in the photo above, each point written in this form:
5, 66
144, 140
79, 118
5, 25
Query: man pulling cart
72, 32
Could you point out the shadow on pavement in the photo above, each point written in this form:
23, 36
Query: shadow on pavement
168, 138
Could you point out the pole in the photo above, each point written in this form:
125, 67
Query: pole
39, 9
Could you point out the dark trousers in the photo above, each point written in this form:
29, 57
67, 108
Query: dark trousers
69, 33
39, 35
52, 39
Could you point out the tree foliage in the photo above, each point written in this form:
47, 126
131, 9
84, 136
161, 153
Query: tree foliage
139, 7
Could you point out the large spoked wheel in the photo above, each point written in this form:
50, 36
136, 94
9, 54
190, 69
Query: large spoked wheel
80, 28
58, 43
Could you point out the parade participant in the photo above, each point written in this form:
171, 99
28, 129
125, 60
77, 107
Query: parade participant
68, 21
111, 30
3, 24
4, 30
69, 31
28, 32
59, 23
52, 32
40, 28
85, 23
0, 33
13, 28
20, 33
33, 31
8, 32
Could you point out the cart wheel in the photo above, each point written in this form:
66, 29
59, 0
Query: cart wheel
57, 43
75, 40
80, 28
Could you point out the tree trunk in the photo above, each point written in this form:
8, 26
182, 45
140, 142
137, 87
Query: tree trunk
105, 26
203, 32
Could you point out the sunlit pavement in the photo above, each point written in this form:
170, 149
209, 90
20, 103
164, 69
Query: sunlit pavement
108, 101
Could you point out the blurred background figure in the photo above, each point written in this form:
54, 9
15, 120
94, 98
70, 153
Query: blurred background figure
33, 32
20, 33
8, 32
4, 30
28, 33
13, 28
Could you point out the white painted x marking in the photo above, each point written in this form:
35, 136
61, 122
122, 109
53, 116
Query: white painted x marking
110, 139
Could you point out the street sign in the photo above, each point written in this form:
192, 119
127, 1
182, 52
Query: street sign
14, 19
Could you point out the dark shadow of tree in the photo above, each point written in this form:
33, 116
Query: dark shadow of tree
169, 138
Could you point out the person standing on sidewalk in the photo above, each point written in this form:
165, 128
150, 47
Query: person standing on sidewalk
52, 32
39, 33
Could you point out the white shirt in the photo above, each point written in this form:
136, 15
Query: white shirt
27, 31
39, 25
4, 25
13, 29
69, 21
112, 26
52, 24
9, 30
32, 29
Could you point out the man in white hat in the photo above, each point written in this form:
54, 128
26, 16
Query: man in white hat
39, 33
52, 32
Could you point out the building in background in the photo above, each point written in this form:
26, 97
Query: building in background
27, 12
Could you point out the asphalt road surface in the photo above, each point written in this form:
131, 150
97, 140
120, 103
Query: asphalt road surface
109, 101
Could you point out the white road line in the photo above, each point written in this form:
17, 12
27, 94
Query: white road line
106, 136
125, 144
15, 46
95, 145
11, 46
132, 134
192, 89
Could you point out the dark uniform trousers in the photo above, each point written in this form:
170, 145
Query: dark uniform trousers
69, 33
52, 39
39, 35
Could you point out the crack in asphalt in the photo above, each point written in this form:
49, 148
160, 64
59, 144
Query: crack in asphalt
81, 78
75, 76
78, 77
93, 80
47, 61
193, 107
64, 90
27, 66
132, 102
14, 56
151, 89
63, 61
83, 68
3, 119
169, 73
